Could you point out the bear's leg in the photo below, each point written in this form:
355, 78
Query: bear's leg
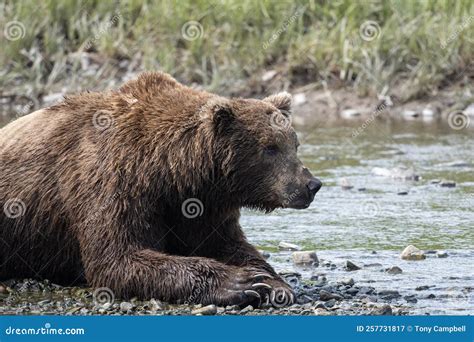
129, 271
243, 254
230, 247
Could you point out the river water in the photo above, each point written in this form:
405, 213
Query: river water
373, 222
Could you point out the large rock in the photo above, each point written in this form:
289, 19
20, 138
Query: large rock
305, 258
412, 253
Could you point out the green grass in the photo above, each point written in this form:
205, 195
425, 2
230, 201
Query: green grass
321, 41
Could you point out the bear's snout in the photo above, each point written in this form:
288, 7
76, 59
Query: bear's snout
314, 185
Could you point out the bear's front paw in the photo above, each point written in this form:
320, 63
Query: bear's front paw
243, 286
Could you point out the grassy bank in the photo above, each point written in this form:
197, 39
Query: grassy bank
370, 45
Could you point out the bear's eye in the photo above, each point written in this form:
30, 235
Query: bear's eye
271, 150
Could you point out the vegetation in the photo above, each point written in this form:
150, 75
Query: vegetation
371, 45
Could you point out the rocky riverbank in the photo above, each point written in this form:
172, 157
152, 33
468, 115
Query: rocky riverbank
323, 287
315, 296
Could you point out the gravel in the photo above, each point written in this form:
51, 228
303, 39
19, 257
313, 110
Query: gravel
320, 295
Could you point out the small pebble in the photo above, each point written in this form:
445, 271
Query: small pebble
126, 306
321, 312
247, 309
384, 310
447, 184
422, 288
345, 185
348, 281
208, 310
411, 299
350, 266
350, 113
394, 270
388, 294
326, 296
286, 246
442, 254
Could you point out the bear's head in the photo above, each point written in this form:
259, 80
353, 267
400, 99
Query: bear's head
256, 153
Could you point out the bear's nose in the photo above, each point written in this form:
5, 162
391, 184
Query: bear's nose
314, 185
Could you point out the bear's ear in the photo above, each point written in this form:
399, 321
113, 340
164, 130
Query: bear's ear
281, 100
218, 110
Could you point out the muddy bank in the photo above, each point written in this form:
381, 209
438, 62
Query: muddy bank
314, 101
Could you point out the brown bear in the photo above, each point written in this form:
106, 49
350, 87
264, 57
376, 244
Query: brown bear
139, 190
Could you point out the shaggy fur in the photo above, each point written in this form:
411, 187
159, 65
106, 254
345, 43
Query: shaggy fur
93, 191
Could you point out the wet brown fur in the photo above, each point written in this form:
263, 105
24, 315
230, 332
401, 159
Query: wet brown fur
104, 206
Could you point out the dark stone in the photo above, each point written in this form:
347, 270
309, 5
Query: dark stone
350, 266
388, 294
394, 270
422, 288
